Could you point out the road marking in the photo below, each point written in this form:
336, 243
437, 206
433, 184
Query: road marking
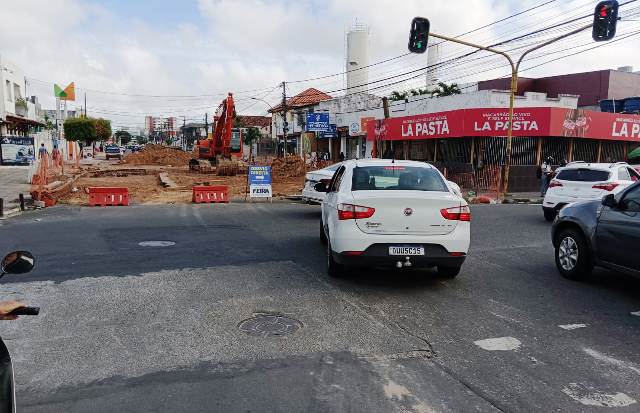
589, 397
156, 243
498, 344
636, 313
608, 359
572, 326
395, 390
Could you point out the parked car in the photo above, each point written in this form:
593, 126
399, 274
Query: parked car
599, 232
385, 213
581, 181
309, 194
113, 151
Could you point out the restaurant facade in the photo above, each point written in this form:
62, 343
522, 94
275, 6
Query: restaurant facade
469, 143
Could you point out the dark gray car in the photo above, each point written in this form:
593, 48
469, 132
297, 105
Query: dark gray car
604, 233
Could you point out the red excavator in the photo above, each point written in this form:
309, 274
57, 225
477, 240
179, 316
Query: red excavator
225, 143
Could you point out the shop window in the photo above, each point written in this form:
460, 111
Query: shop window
585, 150
558, 148
612, 152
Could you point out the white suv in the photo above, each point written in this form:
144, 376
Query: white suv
384, 213
582, 181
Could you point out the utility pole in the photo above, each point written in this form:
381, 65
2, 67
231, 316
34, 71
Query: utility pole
285, 124
377, 150
184, 130
206, 124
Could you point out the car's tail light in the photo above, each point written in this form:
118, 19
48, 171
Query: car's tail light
461, 213
349, 211
554, 183
457, 254
607, 187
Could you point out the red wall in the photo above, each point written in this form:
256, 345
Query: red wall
591, 86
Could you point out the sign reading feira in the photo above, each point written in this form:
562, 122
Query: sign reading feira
260, 182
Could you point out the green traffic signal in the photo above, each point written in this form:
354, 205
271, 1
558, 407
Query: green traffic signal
419, 35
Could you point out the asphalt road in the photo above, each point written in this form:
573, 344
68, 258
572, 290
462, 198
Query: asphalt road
126, 327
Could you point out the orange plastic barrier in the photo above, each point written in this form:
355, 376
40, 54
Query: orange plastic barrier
103, 196
207, 194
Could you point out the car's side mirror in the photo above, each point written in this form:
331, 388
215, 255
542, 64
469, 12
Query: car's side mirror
18, 262
322, 186
609, 201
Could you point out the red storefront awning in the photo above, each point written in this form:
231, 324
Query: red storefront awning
547, 121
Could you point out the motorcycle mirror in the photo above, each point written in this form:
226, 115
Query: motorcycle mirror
18, 262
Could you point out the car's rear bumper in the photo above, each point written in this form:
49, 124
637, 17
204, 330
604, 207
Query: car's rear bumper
313, 195
377, 255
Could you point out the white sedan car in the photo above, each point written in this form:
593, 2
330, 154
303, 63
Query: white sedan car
309, 194
384, 213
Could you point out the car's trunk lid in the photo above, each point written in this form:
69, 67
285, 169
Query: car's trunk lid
406, 212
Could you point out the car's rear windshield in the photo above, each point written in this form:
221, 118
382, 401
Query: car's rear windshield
583, 175
397, 177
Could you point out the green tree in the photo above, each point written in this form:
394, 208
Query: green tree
249, 137
142, 140
48, 124
123, 136
395, 95
80, 129
103, 129
418, 92
445, 90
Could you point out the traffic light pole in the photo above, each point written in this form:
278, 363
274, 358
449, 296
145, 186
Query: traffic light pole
514, 85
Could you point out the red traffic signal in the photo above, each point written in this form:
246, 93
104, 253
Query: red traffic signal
605, 19
419, 35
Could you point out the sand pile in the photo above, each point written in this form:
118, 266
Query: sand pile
159, 155
288, 167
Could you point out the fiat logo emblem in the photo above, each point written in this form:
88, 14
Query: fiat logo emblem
408, 211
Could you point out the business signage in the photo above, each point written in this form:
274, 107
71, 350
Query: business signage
260, 182
17, 150
332, 132
548, 121
317, 122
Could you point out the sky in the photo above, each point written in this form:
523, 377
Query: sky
180, 58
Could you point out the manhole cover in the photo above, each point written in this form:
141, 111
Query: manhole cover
156, 243
269, 325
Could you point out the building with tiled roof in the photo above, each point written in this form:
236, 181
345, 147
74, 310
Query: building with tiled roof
308, 97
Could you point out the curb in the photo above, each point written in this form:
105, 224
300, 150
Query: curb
8, 213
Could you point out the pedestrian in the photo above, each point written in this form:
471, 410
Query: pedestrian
546, 173
341, 157
42, 151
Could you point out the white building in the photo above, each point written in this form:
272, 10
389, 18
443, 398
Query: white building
20, 116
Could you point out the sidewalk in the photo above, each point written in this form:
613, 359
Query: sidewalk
14, 180
523, 198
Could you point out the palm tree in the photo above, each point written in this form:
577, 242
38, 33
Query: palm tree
395, 95
445, 90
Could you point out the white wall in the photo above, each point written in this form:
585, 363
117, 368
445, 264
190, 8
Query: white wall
15, 76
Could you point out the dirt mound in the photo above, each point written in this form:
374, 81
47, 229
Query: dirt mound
159, 155
288, 167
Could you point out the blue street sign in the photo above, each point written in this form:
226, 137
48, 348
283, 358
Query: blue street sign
332, 132
259, 175
317, 122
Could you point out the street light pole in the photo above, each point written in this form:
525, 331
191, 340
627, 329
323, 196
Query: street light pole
514, 85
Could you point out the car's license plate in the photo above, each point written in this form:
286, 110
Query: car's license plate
406, 250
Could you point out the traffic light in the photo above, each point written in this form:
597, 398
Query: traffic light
605, 18
419, 35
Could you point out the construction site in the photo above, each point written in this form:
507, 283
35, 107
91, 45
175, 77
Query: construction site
156, 175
